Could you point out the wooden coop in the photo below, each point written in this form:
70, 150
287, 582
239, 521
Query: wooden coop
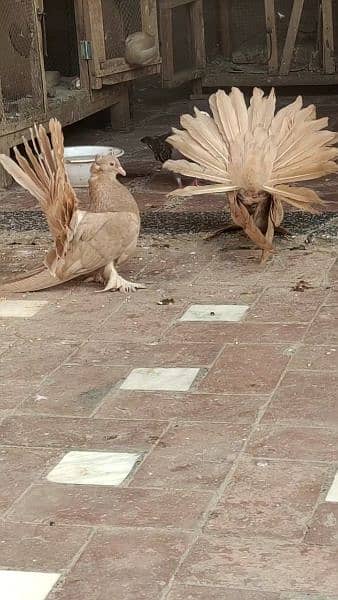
271, 42
220, 43
181, 25
66, 59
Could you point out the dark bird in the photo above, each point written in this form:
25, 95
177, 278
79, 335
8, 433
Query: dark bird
162, 151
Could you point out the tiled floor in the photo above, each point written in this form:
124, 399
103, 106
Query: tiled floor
170, 450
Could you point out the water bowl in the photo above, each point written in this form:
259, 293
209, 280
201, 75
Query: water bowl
79, 159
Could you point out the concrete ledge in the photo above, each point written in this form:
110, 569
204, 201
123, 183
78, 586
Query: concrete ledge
180, 221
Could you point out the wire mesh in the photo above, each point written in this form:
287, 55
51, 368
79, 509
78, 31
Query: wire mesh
19, 59
249, 52
121, 18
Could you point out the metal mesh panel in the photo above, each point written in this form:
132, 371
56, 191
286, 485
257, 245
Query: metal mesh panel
19, 60
121, 18
248, 36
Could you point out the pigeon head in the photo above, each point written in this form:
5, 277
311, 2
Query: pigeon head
107, 163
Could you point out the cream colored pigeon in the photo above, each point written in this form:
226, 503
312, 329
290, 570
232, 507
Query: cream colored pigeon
253, 156
92, 242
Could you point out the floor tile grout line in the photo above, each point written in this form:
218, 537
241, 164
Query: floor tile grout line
317, 504
203, 520
218, 494
8, 510
300, 344
145, 455
169, 424
36, 479
60, 365
319, 499
67, 570
142, 450
104, 528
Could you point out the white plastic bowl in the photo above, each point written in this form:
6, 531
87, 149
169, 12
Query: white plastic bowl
79, 159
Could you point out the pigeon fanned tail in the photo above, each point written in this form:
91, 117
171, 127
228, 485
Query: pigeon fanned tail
253, 152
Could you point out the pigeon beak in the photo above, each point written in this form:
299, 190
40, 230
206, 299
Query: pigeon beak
121, 171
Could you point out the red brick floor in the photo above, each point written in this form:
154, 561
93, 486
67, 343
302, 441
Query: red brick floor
227, 500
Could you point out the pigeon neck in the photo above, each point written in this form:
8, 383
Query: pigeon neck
103, 192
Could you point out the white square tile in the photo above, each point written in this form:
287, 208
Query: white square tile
332, 495
215, 312
93, 468
20, 308
170, 380
26, 585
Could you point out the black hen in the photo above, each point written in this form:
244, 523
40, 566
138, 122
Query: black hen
161, 150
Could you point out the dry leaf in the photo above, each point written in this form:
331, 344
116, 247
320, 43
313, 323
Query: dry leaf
166, 301
301, 286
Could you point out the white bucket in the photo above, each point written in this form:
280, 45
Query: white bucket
79, 159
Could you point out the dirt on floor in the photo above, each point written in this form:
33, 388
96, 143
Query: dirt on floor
180, 442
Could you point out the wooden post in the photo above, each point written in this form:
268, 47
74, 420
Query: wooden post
2, 108
95, 27
5, 179
328, 38
81, 35
291, 37
39, 86
120, 117
224, 13
196, 88
167, 50
271, 31
197, 30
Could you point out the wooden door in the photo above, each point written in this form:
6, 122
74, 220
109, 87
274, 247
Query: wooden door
192, 32
108, 20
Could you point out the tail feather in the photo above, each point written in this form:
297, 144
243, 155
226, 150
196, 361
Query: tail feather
21, 177
42, 173
39, 279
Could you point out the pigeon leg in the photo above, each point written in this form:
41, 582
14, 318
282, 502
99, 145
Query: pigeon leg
282, 231
178, 180
218, 232
116, 282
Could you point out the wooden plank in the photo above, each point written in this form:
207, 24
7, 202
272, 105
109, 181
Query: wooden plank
2, 108
197, 34
75, 107
271, 31
114, 66
296, 78
5, 179
81, 35
95, 33
131, 74
167, 50
37, 63
196, 88
176, 3
291, 36
120, 115
224, 14
329, 62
